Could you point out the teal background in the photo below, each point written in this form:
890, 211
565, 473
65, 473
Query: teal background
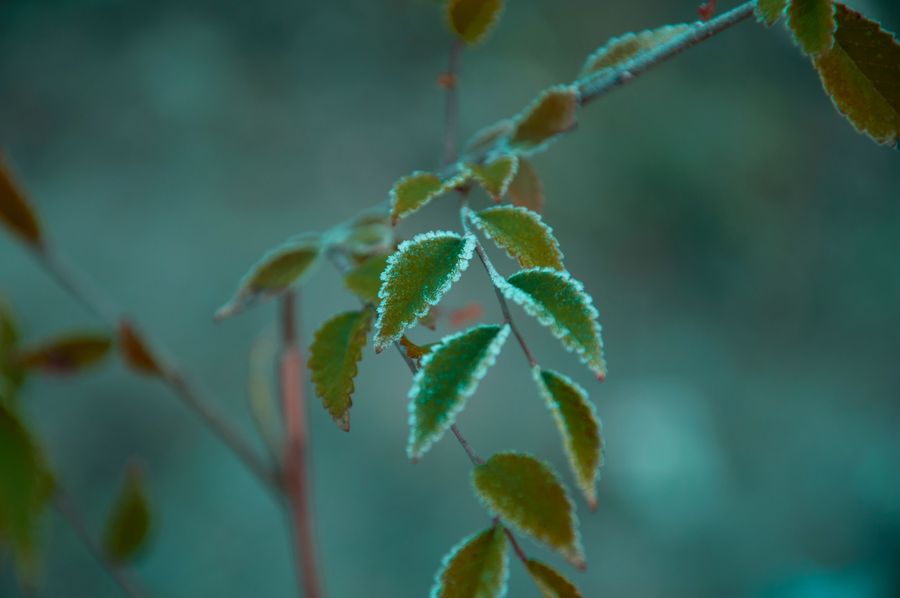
741, 241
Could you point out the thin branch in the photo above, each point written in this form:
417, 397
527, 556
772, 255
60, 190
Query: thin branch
517, 548
450, 80
295, 461
66, 508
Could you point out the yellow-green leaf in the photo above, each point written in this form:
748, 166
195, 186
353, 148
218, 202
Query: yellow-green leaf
333, 359
769, 11
417, 276
275, 273
625, 47
414, 191
522, 234
15, 211
861, 73
450, 373
551, 114
579, 426
550, 581
365, 279
812, 23
496, 175
135, 351
489, 137
66, 354
472, 20
528, 495
128, 526
559, 302
526, 189
477, 567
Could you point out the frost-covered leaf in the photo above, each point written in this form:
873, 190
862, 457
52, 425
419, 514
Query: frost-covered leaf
496, 175
550, 581
276, 272
368, 234
128, 525
472, 20
413, 191
66, 354
477, 567
559, 302
552, 113
522, 234
489, 137
579, 426
333, 359
861, 73
365, 279
812, 23
15, 211
135, 351
526, 189
769, 11
450, 373
417, 276
625, 47
527, 494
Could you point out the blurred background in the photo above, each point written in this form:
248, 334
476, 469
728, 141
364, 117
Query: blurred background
740, 239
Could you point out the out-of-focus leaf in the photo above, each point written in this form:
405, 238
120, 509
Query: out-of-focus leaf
769, 11
625, 47
11, 373
450, 373
370, 233
477, 567
528, 495
472, 20
15, 211
489, 137
462, 316
526, 189
551, 582
365, 279
861, 73
579, 426
559, 302
522, 234
275, 273
552, 113
135, 352
414, 191
812, 23
496, 175
417, 276
128, 526
333, 359
66, 354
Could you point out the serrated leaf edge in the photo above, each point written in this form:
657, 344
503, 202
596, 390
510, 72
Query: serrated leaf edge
458, 178
518, 118
474, 217
448, 559
504, 186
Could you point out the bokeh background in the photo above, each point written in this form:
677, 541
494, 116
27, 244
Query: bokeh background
740, 239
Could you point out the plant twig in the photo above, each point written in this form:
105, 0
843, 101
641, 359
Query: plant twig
295, 465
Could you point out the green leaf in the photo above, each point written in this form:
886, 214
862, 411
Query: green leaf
333, 358
414, 191
861, 73
550, 581
812, 23
496, 175
472, 20
128, 526
528, 495
477, 567
417, 276
450, 373
135, 351
369, 233
551, 114
579, 426
15, 211
66, 354
769, 11
522, 234
559, 302
526, 189
489, 137
625, 47
365, 279
275, 273
11, 374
